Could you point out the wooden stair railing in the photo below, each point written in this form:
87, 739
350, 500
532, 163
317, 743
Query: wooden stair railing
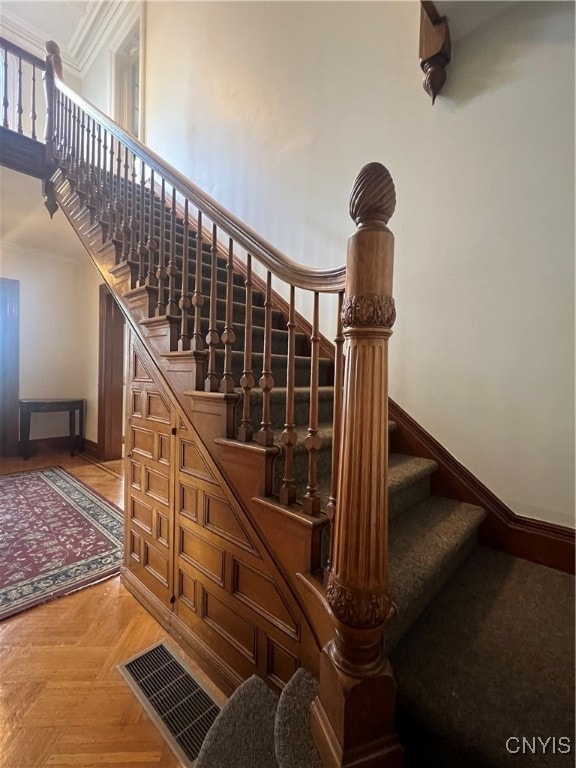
157, 220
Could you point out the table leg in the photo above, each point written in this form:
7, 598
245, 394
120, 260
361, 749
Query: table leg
81, 426
72, 419
25, 433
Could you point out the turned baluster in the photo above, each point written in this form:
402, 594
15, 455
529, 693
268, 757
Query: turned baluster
98, 171
111, 189
133, 221
212, 338
5, 102
73, 155
125, 210
247, 381
141, 249
151, 242
82, 151
91, 171
33, 114
228, 336
353, 716
197, 342
313, 442
185, 302
20, 108
336, 419
289, 436
172, 271
161, 269
118, 209
266, 381
52, 63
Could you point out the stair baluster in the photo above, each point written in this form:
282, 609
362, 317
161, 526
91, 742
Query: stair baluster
5, 102
336, 422
151, 242
118, 210
125, 226
245, 431
172, 270
185, 302
133, 221
266, 382
161, 269
212, 383
110, 223
20, 109
287, 493
311, 501
33, 114
228, 336
353, 716
141, 248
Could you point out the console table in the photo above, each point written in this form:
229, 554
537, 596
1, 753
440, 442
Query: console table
36, 406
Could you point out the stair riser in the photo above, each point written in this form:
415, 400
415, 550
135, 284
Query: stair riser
402, 499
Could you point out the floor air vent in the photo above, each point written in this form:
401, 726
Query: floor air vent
172, 698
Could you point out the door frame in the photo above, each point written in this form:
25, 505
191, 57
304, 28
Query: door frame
110, 377
9, 365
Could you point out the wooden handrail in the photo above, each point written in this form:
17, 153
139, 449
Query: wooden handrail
321, 280
22, 53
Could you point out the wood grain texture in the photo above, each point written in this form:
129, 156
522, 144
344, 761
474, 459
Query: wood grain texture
62, 700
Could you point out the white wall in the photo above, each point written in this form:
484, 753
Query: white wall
58, 333
274, 107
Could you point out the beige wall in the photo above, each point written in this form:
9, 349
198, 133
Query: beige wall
58, 332
273, 108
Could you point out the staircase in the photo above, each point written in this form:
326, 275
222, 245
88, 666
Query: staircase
244, 408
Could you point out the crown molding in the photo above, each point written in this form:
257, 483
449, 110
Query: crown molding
106, 26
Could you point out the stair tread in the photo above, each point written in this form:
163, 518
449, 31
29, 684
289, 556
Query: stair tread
404, 470
427, 543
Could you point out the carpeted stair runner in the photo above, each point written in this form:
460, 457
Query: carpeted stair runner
484, 678
242, 736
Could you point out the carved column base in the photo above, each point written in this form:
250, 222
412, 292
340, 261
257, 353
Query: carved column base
352, 719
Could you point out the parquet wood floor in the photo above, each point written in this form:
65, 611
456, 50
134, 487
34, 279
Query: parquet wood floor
62, 700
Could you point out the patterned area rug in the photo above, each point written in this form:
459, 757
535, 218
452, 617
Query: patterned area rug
56, 536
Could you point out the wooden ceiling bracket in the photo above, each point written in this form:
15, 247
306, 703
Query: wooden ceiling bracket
435, 48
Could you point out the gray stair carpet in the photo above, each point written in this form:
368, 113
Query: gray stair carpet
295, 746
489, 664
242, 735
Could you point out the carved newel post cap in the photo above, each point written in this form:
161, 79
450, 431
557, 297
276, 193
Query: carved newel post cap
52, 47
373, 197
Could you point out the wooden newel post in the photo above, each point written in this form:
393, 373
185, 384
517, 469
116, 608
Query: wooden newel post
353, 716
53, 66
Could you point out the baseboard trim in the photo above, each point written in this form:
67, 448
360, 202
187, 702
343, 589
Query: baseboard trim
536, 540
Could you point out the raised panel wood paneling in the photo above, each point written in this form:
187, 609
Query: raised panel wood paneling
157, 485
187, 590
220, 518
135, 546
207, 558
135, 474
141, 514
191, 461
237, 630
150, 451
189, 502
281, 664
143, 441
156, 408
156, 563
260, 593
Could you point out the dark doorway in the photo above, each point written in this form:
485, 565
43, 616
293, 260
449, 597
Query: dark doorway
110, 378
9, 365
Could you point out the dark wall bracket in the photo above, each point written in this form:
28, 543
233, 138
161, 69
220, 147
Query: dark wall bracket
435, 48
